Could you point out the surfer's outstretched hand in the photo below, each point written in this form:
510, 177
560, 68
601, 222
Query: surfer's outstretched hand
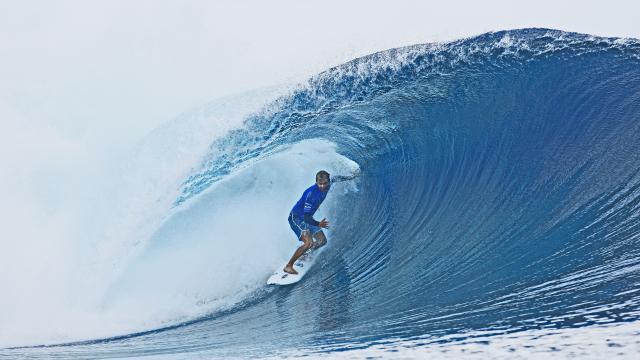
324, 223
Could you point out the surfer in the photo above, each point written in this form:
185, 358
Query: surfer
302, 222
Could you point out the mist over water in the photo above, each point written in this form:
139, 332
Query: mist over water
79, 215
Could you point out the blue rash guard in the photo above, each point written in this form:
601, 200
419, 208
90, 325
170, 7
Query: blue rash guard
308, 204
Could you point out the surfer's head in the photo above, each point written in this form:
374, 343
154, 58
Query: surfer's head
323, 180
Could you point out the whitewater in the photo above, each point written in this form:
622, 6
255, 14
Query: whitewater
493, 211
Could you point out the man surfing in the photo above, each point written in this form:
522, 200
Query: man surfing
302, 222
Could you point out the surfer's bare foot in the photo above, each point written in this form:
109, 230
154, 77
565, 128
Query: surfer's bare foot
290, 270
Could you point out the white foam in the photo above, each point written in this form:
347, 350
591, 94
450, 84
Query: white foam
73, 215
149, 265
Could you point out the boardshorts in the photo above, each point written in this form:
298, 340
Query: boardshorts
299, 226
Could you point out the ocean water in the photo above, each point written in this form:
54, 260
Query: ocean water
496, 202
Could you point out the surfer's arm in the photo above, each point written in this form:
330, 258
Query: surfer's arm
309, 204
310, 220
341, 178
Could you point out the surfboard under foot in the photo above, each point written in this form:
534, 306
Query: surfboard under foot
302, 265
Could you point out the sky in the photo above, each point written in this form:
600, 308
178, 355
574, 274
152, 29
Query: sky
107, 72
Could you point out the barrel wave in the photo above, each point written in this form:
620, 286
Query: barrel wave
497, 191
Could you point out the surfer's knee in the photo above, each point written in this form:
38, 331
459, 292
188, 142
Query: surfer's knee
306, 236
321, 239
307, 243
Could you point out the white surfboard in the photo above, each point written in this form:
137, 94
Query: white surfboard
302, 265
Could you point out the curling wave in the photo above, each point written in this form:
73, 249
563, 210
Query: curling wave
498, 190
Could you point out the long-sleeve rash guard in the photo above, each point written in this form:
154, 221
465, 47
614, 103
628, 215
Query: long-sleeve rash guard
308, 204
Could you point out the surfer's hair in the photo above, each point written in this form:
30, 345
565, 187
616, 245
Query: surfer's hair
322, 175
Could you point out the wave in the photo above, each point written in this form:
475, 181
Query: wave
498, 190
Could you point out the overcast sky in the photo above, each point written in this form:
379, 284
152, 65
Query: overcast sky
109, 70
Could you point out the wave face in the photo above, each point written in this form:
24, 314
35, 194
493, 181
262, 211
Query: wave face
499, 190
